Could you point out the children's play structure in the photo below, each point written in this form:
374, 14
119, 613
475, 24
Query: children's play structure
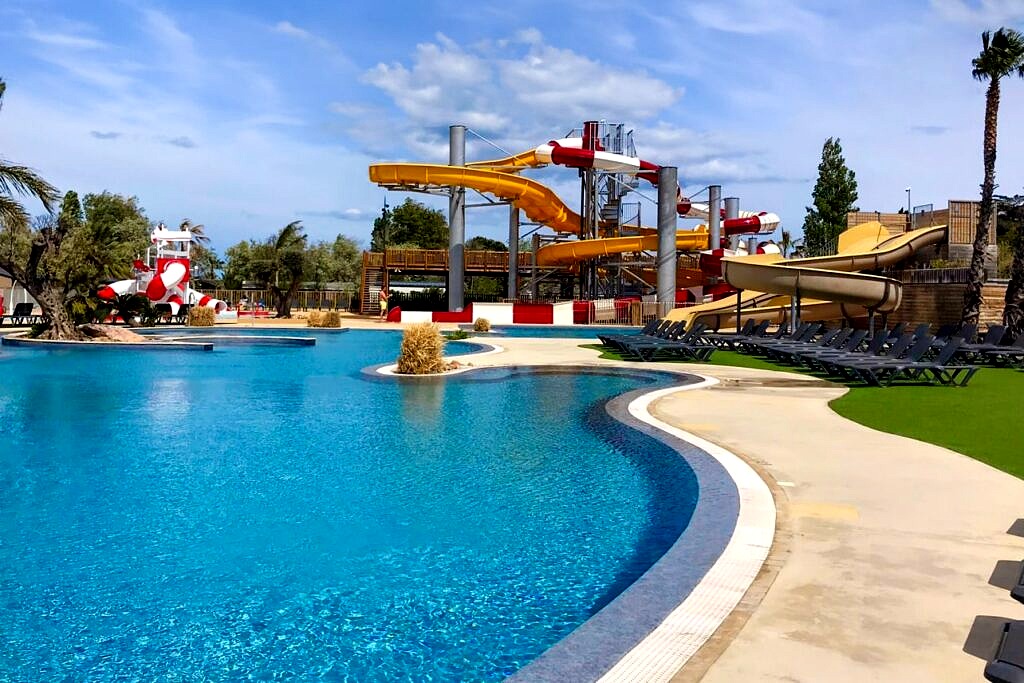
164, 275
726, 266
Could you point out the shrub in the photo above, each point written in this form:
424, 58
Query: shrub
455, 335
201, 316
481, 325
422, 347
324, 319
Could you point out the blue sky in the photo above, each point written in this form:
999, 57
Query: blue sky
247, 115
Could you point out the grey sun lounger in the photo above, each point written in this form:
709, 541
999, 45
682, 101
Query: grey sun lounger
992, 341
690, 346
940, 369
1007, 355
648, 329
727, 340
847, 367
668, 330
829, 361
1017, 592
804, 333
830, 339
852, 342
1008, 664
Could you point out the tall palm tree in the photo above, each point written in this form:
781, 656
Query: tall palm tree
199, 235
20, 180
281, 264
1002, 55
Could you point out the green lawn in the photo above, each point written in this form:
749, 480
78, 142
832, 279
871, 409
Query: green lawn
980, 420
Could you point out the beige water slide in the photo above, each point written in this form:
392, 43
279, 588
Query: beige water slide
828, 286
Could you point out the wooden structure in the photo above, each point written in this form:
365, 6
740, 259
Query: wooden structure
377, 267
960, 215
895, 223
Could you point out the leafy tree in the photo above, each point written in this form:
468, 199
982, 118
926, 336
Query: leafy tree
280, 263
348, 259
835, 195
1002, 55
1010, 219
411, 224
238, 264
485, 244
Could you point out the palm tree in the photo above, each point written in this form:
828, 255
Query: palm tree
1011, 209
199, 235
19, 180
1002, 54
281, 264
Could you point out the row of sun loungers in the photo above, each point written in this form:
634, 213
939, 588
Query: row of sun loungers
663, 340
21, 316
951, 356
880, 360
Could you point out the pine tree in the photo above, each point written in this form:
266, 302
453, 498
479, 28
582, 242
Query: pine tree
835, 195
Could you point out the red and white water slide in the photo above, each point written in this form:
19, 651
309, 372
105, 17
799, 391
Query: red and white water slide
168, 282
574, 153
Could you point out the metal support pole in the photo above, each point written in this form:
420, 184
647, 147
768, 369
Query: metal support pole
739, 308
668, 186
456, 223
513, 252
534, 288
715, 216
732, 208
751, 245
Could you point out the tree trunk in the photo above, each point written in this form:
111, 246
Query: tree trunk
61, 326
972, 295
1013, 311
283, 300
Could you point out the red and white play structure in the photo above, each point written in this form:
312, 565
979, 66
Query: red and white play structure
163, 277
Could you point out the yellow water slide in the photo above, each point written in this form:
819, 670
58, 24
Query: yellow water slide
829, 286
499, 177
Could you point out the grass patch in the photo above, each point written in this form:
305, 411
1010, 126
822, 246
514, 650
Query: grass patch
977, 420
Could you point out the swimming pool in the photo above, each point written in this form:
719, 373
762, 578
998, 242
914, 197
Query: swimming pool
268, 512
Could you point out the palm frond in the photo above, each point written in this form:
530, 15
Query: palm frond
15, 179
1002, 54
12, 214
290, 235
3, 89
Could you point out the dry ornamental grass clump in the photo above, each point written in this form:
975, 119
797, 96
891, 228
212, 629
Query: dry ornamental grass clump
482, 325
315, 319
331, 319
422, 350
201, 316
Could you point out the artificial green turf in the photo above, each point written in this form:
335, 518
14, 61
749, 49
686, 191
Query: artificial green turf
980, 420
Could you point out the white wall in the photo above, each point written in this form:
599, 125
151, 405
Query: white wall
497, 314
562, 313
417, 316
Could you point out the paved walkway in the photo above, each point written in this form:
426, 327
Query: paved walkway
893, 540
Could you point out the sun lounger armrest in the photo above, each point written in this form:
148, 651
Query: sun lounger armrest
1008, 664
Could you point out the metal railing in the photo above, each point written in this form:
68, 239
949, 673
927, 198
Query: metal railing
437, 259
308, 300
933, 276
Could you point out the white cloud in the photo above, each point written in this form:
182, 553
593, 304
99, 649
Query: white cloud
753, 17
287, 28
984, 14
65, 40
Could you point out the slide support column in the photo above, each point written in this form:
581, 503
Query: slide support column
513, 252
456, 223
668, 186
715, 216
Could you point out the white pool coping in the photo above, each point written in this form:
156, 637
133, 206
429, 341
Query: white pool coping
664, 651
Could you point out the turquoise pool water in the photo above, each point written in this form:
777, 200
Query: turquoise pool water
270, 513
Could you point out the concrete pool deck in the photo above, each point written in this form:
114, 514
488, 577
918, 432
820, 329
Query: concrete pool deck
887, 545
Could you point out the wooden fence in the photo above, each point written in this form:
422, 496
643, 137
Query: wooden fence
306, 300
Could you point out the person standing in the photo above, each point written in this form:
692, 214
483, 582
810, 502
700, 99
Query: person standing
383, 300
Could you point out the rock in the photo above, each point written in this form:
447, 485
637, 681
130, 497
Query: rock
111, 333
